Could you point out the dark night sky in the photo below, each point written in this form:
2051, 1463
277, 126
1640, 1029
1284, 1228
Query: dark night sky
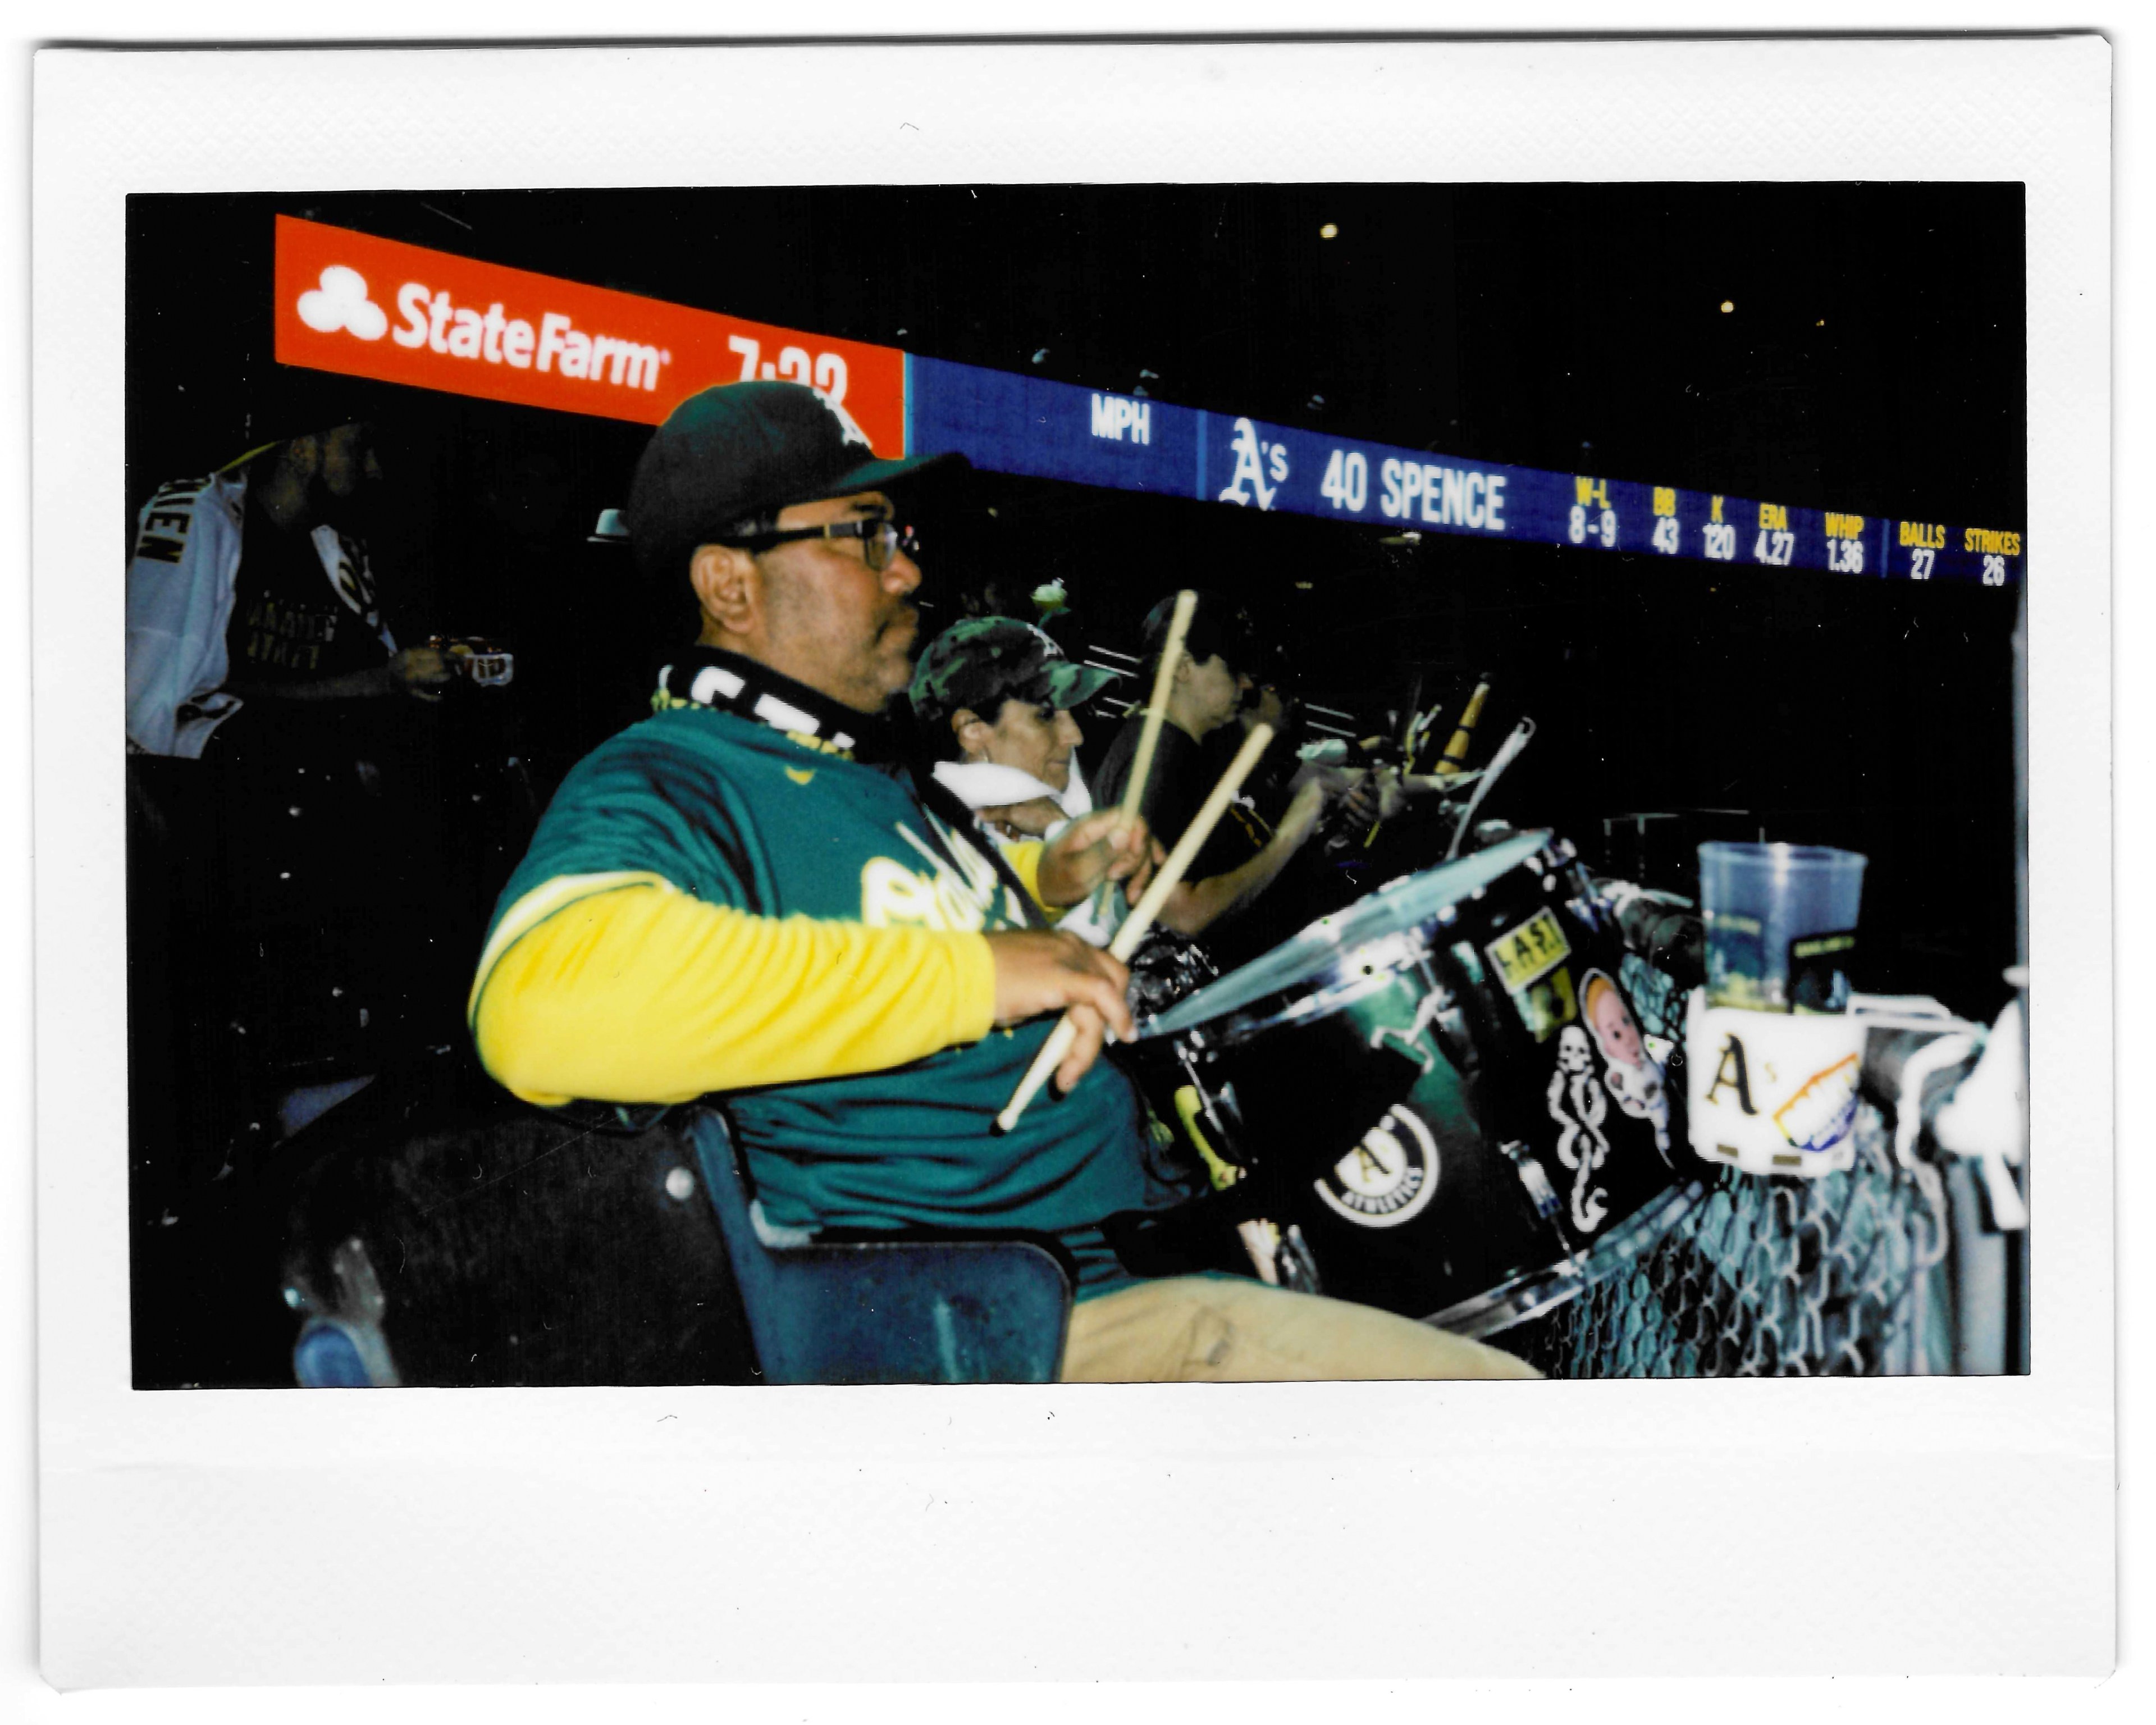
1873, 362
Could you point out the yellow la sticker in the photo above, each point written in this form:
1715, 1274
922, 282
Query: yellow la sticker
801, 775
1532, 950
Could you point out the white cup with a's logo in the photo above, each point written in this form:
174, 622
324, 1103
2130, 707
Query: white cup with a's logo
1770, 1093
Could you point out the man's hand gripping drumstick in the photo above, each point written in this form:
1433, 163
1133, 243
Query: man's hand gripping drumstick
1075, 1040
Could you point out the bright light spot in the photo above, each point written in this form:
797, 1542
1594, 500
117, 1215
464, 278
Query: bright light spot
1729, 305
1820, 325
1329, 231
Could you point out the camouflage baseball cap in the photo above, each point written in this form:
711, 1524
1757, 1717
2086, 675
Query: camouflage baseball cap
984, 661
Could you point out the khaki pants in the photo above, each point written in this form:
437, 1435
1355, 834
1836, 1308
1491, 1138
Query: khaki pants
1190, 1329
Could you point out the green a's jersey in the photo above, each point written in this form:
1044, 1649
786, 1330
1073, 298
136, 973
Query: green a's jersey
744, 816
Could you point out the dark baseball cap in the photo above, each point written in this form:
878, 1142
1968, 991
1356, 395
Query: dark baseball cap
984, 661
1217, 626
729, 459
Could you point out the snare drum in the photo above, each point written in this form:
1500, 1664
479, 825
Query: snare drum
1453, 1079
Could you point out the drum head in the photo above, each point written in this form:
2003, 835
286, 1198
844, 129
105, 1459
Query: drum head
1308, 961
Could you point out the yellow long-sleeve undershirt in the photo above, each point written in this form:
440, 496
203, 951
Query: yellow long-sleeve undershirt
623, 988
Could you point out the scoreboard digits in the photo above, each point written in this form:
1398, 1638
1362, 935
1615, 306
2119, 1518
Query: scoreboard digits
1051, 430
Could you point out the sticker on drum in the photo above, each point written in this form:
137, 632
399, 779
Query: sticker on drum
1631, 1073
1389, 1176
1529, 953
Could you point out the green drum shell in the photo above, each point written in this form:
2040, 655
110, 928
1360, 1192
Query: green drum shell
1422, 1213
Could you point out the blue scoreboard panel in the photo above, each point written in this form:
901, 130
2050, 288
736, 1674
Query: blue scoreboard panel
1013, 424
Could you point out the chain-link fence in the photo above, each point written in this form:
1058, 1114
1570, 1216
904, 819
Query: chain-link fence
1838, 1275
1842, 1274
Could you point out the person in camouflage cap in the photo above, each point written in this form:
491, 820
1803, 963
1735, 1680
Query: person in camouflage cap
995, 689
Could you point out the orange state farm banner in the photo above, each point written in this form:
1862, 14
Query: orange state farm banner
369, 307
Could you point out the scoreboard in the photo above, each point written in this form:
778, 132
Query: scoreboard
1050, 430
351, 302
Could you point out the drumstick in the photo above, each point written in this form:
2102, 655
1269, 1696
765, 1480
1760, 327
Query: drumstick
1186, 602
1179, 625
1455, 752
1418, 784
1140, 917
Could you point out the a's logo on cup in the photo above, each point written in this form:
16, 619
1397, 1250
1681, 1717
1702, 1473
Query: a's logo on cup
1772, 1093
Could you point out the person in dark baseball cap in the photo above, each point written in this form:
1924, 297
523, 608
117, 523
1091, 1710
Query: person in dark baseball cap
1215, 673
1219, 629
730, 459
749, 895
770, 499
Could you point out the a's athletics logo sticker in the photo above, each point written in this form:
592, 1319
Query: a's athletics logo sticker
1388, 1178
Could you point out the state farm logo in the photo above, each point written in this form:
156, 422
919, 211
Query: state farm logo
432, 319
341, 303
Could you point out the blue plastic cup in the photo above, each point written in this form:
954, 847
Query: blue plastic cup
1781, 925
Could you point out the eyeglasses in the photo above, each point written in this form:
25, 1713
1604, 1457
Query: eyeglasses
880, 536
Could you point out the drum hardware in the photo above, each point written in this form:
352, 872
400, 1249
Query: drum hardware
1194, 1101
1280, 1257
1507, 753
1546, 1201
1296, 1268
1261, 1239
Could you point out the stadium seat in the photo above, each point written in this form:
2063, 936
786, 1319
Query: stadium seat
907, 1311
449, 1242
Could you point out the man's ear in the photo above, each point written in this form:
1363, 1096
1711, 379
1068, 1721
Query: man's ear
728, 583
1186, 667
971, 732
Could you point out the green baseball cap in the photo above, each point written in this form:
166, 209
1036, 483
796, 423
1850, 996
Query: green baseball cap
984, 661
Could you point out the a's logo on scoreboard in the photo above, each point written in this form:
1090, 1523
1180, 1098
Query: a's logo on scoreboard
1253, 459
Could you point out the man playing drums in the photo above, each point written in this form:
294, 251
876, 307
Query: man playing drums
748, 894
